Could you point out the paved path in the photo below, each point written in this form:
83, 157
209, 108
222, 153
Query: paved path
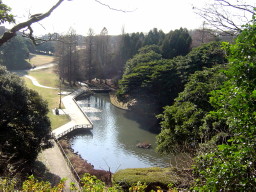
52, 158
54, 161
49, 65
36, 83
76, 115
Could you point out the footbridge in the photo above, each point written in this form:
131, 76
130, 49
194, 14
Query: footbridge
79, 120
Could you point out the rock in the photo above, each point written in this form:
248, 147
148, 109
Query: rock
144, 145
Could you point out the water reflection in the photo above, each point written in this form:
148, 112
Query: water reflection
114, 138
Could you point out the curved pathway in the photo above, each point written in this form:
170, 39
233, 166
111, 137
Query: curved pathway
52, 157
71, 108
36, 83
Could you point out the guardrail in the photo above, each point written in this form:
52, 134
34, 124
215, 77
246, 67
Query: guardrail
72, 169
73, 128
74, 99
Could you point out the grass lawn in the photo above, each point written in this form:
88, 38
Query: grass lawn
38, 60
48, 78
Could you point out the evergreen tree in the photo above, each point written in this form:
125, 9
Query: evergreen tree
176, 43
231, 166
14, 54
24, 124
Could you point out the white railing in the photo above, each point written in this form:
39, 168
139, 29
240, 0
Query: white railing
83, 126
88, 126
80, 91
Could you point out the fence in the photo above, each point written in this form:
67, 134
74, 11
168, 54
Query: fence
74, 99
73, 128
72, 169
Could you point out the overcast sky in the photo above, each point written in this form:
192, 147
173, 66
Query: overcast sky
84, 14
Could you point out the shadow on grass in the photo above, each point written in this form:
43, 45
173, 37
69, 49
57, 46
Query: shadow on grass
20, 73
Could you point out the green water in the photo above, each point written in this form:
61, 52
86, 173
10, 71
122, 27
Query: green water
112, 142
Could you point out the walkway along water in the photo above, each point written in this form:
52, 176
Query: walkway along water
79, 119
53, 157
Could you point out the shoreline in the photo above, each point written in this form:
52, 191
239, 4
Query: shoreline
114, 101
81, 165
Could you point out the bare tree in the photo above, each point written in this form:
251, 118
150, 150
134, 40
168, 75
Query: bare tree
227, 15
102, 53
66, 52
27, 25
203, 35
89, 52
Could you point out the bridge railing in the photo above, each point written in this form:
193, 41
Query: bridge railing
74, 99
86, 126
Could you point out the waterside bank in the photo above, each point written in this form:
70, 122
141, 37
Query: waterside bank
81, 166
114, 101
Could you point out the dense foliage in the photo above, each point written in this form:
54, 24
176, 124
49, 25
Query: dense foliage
105, 56
232, 165
88, 183
15, 52
5, 15
176, 43
184, 124
23, 126
155, 82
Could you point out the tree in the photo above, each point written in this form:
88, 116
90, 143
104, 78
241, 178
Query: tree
226, 15
154, 37
89, 53
14, 53
5, 16
66, 51
203, 35
231, 166
24, 124
47, 47
176, 43
102, 53
154, 82
182, 124
146, 54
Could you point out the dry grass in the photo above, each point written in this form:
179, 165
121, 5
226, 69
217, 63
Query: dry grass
116, 102
38, 60
48, 78
52, 98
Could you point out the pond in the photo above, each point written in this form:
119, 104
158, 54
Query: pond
112, 142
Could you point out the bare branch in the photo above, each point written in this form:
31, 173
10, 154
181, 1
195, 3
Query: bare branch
222, 15
247, 8
27, 24
114, 9
39, 41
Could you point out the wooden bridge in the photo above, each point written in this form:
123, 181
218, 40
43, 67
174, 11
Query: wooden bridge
79, 120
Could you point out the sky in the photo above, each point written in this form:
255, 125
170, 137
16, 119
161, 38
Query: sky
141, 15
